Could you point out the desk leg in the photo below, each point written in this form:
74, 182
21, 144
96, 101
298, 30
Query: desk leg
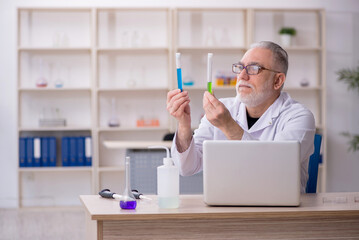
91, 228
100, 230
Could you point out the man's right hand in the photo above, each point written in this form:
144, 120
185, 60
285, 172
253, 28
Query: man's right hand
178, 107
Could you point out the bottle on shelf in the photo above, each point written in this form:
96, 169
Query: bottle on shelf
41, 81
113, 122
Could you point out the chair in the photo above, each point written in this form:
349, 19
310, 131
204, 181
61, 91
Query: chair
314, 161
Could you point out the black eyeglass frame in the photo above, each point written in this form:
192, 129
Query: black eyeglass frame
260, 68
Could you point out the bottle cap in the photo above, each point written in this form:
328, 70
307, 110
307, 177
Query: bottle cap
167, 160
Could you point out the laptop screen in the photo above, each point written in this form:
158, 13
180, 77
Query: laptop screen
251, 173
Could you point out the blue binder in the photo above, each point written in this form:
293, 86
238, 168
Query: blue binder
65, 153
73, 151
80, 151
29, 152
37, 152
52, 151
44, 152
22, 152
88, 151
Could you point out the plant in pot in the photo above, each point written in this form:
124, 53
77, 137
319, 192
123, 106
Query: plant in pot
286, 34
351, 77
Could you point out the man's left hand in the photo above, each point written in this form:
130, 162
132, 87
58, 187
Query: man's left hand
219, 116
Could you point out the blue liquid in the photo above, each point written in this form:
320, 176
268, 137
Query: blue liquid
179, 78
128, 204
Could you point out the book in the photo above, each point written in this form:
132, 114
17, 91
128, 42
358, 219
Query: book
65, 153
88, 151
44, 152
80, 151
52, 151
37, 152
22, 152
73, 151
29, 151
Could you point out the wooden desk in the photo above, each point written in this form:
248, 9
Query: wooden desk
320, 216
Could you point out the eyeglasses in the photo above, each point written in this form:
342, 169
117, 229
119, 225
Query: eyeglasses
252, 69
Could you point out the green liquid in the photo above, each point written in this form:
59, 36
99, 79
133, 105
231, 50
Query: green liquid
209, 87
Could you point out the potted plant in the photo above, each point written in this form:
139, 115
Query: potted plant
351, 77
286, 34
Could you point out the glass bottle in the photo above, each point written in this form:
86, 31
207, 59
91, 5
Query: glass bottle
113, 122
128, 199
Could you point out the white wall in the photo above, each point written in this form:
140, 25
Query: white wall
342, 51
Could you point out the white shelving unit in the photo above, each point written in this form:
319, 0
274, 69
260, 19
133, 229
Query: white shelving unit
202, 31
133, 76
120, 62
306, 61
54, 45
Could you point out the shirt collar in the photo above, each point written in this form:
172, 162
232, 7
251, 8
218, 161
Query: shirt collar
267, 119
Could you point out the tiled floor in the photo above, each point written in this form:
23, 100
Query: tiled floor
42, 223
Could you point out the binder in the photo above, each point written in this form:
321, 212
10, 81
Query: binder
65, 154
80, 151
37, 152
88, 151
22, 152
44, 152
52, 151
29, 151
73, 151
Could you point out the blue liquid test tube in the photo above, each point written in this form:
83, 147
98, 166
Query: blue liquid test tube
179, 71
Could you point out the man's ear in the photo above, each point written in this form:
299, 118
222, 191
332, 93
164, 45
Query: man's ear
279, 80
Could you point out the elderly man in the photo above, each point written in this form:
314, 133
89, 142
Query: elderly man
260, 111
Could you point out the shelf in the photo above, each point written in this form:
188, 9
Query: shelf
231, 88
302, 89
212, 48
110, 90
120, 129
54, 49
133, 49
55, 169
61, 9
303, 48
135, 144
112, 169
50, 129
48, 89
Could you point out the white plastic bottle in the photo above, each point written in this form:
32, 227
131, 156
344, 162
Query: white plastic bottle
167, 182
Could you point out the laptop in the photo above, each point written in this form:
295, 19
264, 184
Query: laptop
251, 173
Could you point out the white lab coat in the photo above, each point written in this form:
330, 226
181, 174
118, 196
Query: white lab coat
285, 119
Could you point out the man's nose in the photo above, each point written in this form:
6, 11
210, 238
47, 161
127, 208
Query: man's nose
243, 75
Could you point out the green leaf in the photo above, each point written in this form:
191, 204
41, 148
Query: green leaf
288, 30
353, 141
350, 77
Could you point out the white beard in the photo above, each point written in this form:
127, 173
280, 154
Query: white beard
255, 98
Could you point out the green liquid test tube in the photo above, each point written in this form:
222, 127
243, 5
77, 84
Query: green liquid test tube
209, 73
209, 87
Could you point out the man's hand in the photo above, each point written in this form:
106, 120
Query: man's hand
220, 117
178, 107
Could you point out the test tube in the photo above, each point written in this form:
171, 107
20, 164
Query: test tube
179, 71
209, 73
